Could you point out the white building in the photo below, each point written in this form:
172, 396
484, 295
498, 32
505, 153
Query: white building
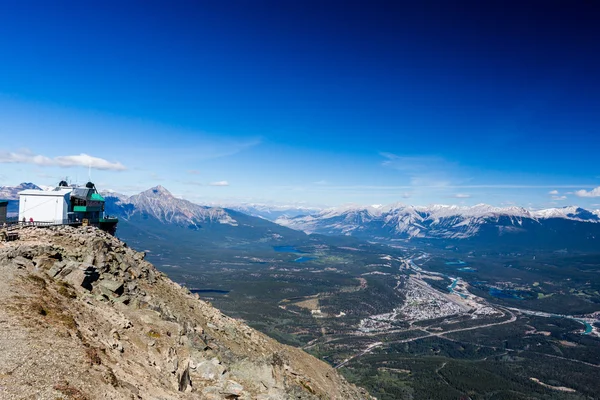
44, 206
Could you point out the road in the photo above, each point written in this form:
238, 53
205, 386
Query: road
513, 318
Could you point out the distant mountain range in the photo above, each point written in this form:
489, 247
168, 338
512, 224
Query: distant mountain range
271, 212
159, 209
571, 226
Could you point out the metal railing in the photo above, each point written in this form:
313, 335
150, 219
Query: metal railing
11, 225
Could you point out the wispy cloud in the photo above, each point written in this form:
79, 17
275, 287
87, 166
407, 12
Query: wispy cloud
461, 196
220, 183
193, 172
457, 187
425, 171
81, 160
591, 193
555, 195
210, 147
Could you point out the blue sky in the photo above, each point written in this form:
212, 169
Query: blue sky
320, 103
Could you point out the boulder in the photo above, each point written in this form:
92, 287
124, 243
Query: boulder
185, 383
122, 299
69, 267
210, 370
83, 276
22, 262
44, 263
232, 388
56, 269
114, 287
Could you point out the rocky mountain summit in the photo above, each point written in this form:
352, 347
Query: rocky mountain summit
83, 316
12, 192
159, 203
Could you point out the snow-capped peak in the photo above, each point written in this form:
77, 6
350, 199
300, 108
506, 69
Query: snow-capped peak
162, 205
573, 213
438, 220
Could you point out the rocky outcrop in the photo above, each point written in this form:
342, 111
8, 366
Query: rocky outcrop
82, 316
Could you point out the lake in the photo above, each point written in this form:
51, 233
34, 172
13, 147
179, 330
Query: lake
303, 259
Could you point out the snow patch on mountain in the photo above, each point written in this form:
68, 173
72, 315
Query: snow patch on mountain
435, 221
270, 212
573, 213
159, 203
12, 192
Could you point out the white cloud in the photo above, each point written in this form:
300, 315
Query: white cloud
592, 193
220, 183
559, 198
553, 192
81, 160
461, 196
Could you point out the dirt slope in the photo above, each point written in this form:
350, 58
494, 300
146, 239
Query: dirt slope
84, 317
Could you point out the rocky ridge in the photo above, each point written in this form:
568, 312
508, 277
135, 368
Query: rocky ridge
160, 204
436, 221
85, 317
12, 192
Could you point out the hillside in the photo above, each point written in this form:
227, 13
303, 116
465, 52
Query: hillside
85, 317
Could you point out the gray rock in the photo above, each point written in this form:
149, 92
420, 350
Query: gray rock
22, 262
44, 262
185, 382
89, 259
210, 370
115, 287
122, 299
68, 268
56, 268
232, 388
83, 276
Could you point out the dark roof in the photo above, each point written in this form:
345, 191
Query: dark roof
82, 193
3, 202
